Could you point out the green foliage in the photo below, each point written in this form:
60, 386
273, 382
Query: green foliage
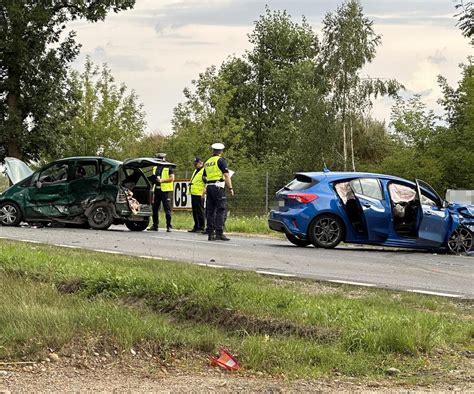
421, 148
278, 107
35, 50
104, 117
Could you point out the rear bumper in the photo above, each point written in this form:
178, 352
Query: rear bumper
276, 225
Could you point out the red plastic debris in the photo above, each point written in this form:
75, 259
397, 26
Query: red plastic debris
226, 361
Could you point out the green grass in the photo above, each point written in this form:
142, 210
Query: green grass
52, 297
237, 224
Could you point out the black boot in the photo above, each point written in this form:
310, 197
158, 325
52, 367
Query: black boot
211, 237
222, 237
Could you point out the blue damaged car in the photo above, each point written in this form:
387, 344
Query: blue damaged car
326, 208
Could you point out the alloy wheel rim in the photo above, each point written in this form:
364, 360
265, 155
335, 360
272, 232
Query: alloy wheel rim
100, 216
8, 214
460, 241
327, 231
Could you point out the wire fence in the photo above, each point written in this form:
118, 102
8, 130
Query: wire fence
254, 191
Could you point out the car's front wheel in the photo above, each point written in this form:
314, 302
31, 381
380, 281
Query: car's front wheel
10, 214
137, 225
100, 217
326, 231
461, 241
297, 241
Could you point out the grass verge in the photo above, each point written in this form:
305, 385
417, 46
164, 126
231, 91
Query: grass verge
52, 297
234, 224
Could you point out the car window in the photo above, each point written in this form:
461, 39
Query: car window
369, 187
301, 182
112, 179
427, 201
86, 169
56, 173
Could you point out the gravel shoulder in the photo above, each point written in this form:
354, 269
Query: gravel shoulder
132, 374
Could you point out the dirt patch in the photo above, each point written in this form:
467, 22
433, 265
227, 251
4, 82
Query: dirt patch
237, 321
71, 286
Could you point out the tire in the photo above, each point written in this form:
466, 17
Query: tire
297, 241
100, 217
10, 214
326, 231
461, 241
137, 225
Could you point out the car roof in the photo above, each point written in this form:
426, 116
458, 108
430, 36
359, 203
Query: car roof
106, 159
340, 175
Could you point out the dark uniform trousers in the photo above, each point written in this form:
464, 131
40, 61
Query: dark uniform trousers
197, 203
164, 198
215, 207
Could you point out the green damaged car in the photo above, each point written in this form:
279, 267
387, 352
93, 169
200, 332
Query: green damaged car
86, 191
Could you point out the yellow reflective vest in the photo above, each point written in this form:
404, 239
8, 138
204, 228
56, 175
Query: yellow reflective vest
165, 174
197, 183
213, 172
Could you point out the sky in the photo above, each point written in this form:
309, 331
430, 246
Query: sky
160, 46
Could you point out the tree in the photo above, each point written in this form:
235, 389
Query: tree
33, 68
349, 43
466, 18
104, 116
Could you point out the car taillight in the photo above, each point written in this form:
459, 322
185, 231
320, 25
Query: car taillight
303, 198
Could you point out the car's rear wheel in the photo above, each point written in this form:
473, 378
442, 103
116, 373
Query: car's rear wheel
326, 231
10, 214
100, 217
297, 241
461, 241
137, 225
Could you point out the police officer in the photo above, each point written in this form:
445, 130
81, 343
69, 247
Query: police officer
216, 176
197, 201
162, 179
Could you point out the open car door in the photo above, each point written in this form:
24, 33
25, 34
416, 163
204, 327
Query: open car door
375, 211
434, 218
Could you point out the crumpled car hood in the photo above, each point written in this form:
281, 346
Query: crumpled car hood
16, 170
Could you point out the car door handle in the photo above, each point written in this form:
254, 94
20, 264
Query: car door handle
429, 213
366, 204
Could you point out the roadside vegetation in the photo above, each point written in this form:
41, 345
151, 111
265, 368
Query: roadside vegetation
53, 297
237, 224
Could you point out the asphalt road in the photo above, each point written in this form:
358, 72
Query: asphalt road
395, 269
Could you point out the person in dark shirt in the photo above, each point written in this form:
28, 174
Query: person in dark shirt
216, 176
162, 180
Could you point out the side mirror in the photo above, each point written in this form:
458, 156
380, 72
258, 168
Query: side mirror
445, 204
39, 185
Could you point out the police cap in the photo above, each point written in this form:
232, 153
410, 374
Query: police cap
217, 146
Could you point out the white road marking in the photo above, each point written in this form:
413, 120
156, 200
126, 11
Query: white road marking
151, 257
275, 273
435, 293
211, 265
348, 282
67, 246
193, 240
27, 240
107, 251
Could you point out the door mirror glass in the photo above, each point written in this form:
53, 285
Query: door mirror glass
39, 185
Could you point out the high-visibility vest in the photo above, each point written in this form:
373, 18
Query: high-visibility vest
165, 174
213, 172
197, 183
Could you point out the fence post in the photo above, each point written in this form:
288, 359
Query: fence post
266, 193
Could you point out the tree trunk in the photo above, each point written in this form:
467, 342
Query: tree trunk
14, 127
352, 144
